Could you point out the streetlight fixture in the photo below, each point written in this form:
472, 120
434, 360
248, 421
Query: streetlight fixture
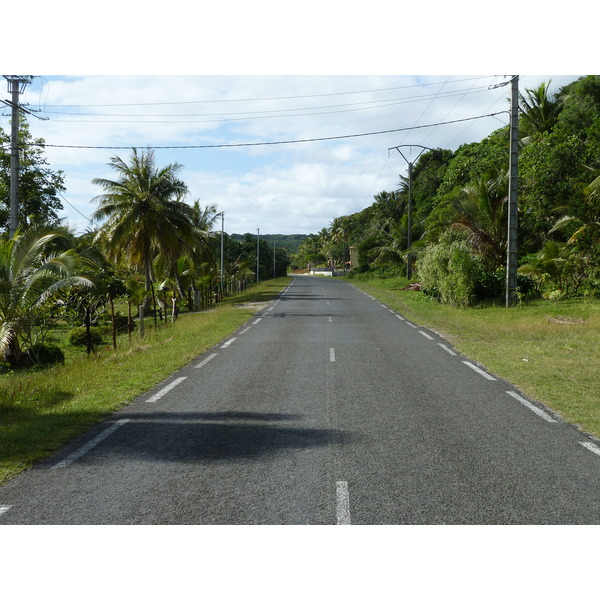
410, 168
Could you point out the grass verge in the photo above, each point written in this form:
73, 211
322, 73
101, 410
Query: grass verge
42, 410
547, 349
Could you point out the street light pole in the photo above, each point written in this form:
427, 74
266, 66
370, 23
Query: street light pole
409, 232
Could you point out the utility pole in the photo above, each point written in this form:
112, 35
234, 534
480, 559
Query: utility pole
274, 259
512, 241
257, 251
409, 232
16, 86
222, 257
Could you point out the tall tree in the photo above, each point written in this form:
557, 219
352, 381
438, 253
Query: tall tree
144, 211
39, 186
539, 110
482, 216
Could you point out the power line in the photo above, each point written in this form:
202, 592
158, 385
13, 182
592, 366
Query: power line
261, 99
246, 144
273, 112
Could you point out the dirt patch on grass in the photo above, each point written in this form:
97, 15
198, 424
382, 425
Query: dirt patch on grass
254, 306
566, 320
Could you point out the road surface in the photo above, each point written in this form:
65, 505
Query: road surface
328, 408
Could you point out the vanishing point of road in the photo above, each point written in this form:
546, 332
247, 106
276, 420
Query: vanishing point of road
327, 407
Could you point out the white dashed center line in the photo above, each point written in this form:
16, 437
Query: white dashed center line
342, 503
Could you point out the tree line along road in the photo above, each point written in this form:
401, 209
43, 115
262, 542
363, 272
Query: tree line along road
328, 408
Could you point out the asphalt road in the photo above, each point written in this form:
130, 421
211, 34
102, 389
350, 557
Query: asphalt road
327, 407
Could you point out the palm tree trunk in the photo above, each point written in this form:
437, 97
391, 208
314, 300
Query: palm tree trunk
129, 320
112, 319
14, 355
148, 275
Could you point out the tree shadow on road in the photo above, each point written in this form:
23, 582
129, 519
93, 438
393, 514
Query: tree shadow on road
220, 436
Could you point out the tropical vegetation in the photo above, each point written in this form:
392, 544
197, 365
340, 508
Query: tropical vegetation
150, 256
459, 210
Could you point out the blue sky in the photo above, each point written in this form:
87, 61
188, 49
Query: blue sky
252, 73
288, 188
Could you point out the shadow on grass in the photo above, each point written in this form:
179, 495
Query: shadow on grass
28, 434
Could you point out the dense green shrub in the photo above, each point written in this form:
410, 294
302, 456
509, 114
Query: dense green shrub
78, 336
46, 354
449, 271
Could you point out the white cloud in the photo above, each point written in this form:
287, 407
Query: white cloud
282, 188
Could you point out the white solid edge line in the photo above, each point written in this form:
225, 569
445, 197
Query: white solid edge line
478, 370
332, 354
166, 389
425, 335
342, 503
4, 508
91, 444
448, 350
530, 406
207, 359
591, 447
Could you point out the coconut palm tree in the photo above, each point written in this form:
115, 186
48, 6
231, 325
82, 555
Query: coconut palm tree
29, 276
144, 211
539, 111
588, 222
482, 216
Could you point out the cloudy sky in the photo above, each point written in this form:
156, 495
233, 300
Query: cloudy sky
292, 187
220, 86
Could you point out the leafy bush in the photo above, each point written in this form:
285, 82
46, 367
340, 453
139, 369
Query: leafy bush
78, 336
450, 272
491, 285
46, 354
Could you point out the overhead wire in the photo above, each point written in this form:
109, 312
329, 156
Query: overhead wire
452, 109
221, 100
252, 115
273, 143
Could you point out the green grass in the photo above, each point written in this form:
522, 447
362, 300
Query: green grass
41, 410
549, 350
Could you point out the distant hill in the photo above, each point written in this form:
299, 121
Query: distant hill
290, 242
